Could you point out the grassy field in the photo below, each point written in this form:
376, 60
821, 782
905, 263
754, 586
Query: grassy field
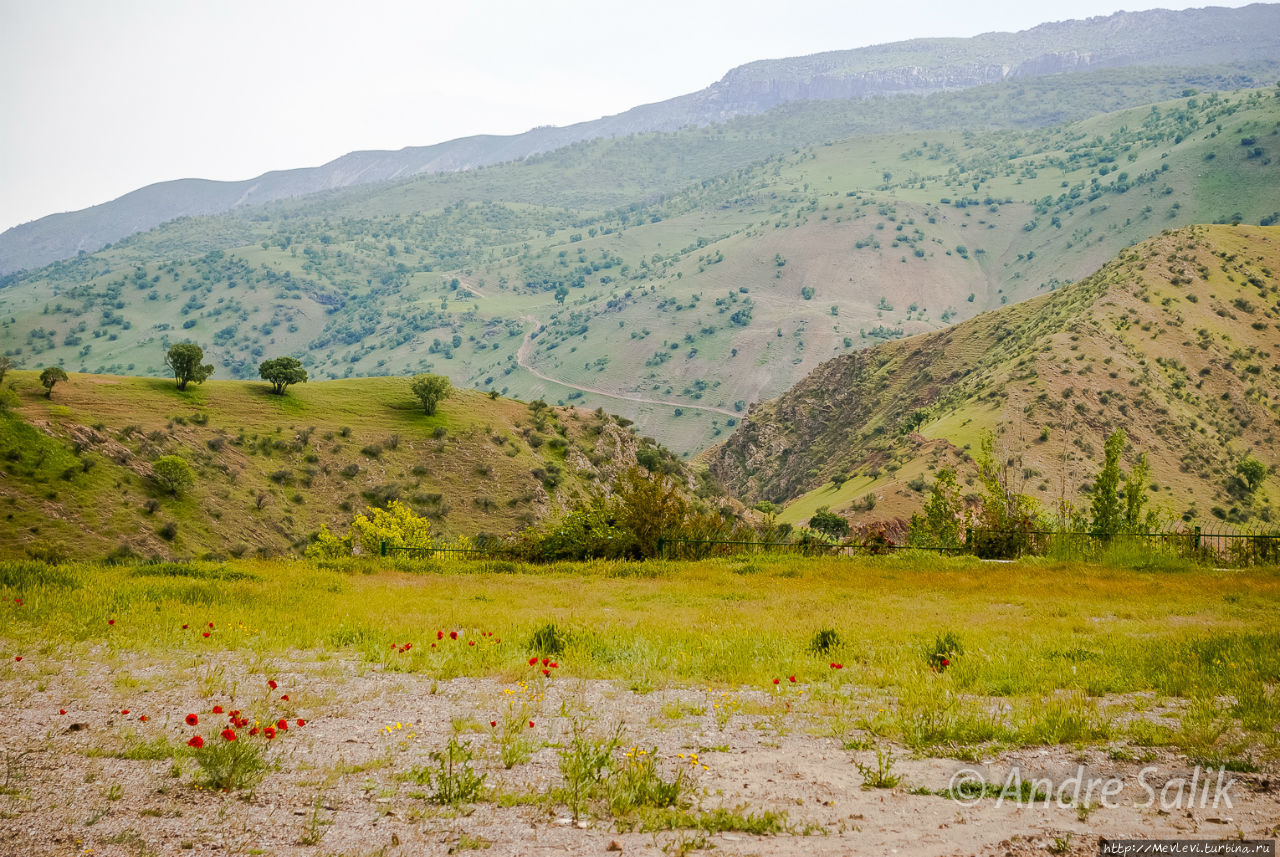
1034, 646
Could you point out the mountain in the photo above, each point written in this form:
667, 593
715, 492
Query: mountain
1193, 38
76, 468
1177, 341
562, 277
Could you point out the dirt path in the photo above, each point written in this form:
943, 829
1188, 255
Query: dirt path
352, 779
526, 349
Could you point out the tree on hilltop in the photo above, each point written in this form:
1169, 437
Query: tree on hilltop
184, 361
50, 376
430, 389
281, 372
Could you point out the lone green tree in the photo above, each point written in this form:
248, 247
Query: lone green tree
940, 523
430, 389
1136, 486
173, 474
1252, 472
50, 376
184, 361
1107, 512
826, 521
281, 372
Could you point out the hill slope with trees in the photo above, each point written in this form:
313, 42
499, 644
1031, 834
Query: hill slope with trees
133, 467
1176, 341
1193, 41
677, 312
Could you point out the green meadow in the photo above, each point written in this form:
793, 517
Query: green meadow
1036, 652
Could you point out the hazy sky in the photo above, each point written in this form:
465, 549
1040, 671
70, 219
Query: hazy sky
99, 97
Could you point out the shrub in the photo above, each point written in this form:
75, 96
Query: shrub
944, 651
548, 640
452, 780
397, 525
173, 474
231, 765
825, 642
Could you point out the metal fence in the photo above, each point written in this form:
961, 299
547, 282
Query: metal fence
1217, 549
439, 552
1220, 549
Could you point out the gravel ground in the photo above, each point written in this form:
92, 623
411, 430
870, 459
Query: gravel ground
338, 786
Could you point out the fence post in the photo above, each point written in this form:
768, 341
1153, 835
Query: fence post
382, 548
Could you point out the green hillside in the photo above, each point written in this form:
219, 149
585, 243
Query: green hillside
1177, 341
76, 468
598, 275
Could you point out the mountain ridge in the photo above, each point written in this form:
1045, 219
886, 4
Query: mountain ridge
1190, 38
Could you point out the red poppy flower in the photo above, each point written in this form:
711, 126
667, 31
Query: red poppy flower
184, 627
533, 661
433, 645
18, 601
111, 621
285, 697
271, 683
228, 734
946, 663
217, 709
210, 624
439, 635
777, 681
143, 718
493, 723
453, 635
206, 633
234, 713
17, 657
270, 732
196, 741
282, 725
301, 722
554, 665
124, 711
408, 646
62, 711
546, 661
471, 642
254, 731
193, 719
394, 646
530, 724
547, 673
791, 679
